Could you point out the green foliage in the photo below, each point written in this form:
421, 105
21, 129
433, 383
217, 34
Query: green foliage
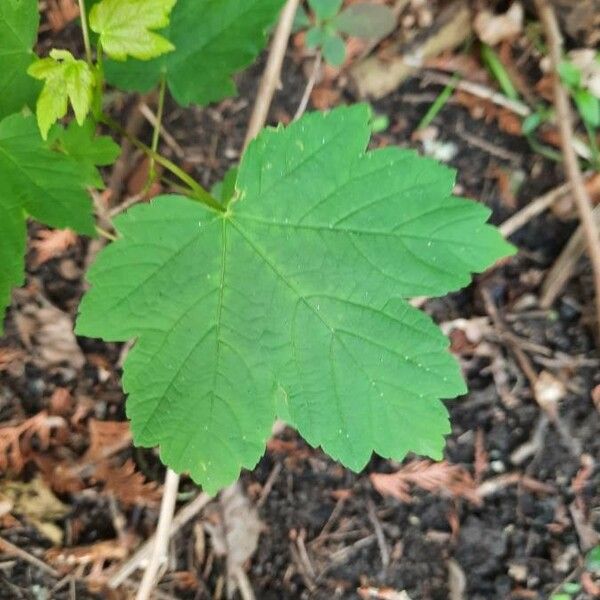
35, 181
126, 27
213, 39
295, 291
334, 49
65, 78
19, 20
369, 21
325, 9
365, 20
83, 145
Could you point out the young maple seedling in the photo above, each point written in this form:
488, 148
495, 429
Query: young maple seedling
324, 32
284, 293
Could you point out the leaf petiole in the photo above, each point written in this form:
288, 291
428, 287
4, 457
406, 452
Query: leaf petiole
197, 191
86, 33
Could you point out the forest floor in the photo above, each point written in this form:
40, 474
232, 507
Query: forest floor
513, 512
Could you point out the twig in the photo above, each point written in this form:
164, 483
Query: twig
272, 73
7, 548
480, 91
565, 124
310, 86
152, 118
383, 548
533, 209
186, 514
159, 548
563, 268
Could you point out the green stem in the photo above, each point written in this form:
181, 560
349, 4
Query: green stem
86, 33
198, 192
157, 126
439, 103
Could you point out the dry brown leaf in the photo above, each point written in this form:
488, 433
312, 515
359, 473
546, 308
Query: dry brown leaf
48, 333
16, 440
127, 484
8, 356
35, 502
438, 478
492, 29
234, 531
590, 586
51, 243
60, 13
106, 438
480, 108
87, 555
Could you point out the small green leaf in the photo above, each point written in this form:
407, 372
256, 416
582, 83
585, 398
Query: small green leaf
325, 9
592, 560
588, 106
334, 50
83, 145
35, 181
292, 300
301, 20
126, 27
531, 123
569, 74
315, 37
65, 78
213, 40
19, 21
369, 21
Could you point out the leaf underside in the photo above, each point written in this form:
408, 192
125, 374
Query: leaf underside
296, 292
213, 40
36, 182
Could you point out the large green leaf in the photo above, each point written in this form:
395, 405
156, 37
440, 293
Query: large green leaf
19, 20
213, 39
296, 291
35, 181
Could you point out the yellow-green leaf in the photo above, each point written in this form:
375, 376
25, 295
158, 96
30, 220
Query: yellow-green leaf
65, 79
126, 27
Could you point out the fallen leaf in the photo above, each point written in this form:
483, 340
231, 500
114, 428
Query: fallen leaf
127, 484
51, 243
492, 29
435, 477
16, 440
106, 439
37, 504
48, 333
234, 531
60, 13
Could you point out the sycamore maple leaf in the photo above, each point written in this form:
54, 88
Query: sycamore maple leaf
292, 301
65, 79
126, 27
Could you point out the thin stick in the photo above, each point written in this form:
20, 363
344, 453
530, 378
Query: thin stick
565, 123
565, 264
272, 73
310, 86
186, 514
12, 550
533, 209
160, 108
159, 549
86, 33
